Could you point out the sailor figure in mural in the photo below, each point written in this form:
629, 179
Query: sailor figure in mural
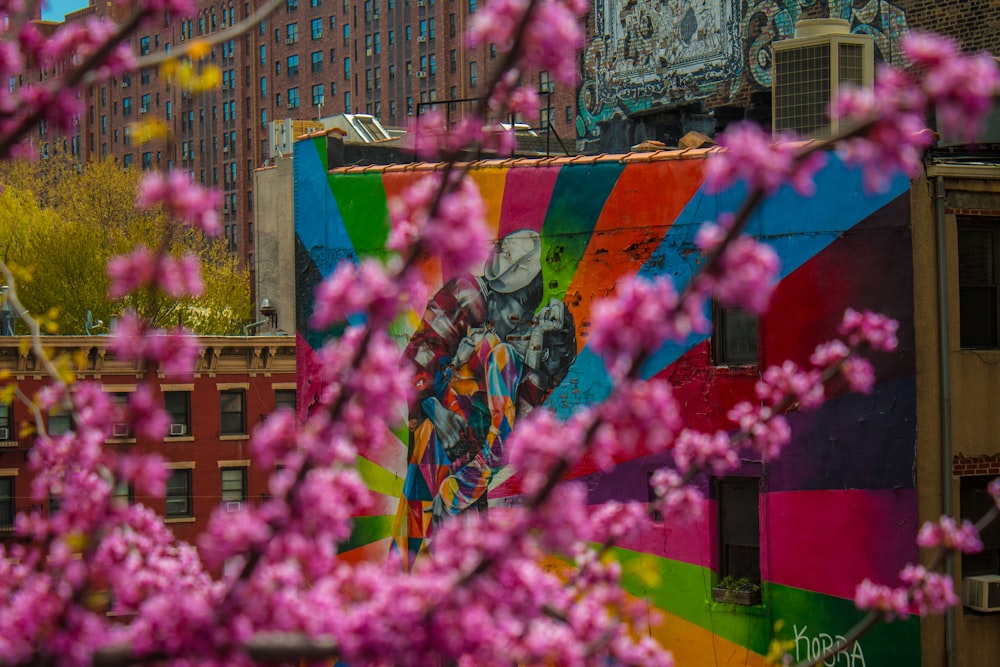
485, 354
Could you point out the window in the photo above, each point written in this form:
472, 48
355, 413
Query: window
392, 37
738, 500
453, 60
430, 28
433, 65
123, 494
409, 33
178, 406
234, 487
6, 422
263, 87
233, 412
544, 82
569, 114
144, 103
493, 51
179, 499
347, 69
317, 94
975, 502
60, 421
293, 103
293, 65
316, 25
473, 76
284, 398
378, 43
451, 25
978, 291
126, 106
7, 502
292, 32
144, 46
120, 428
317, 62
734, 337
291, 5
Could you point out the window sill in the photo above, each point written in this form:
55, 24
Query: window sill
235, 436
180, 519
738, 598
179, 438
8, 443
120, 441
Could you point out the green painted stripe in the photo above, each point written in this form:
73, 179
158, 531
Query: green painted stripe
320, 144
379, 479
809, 620
362, 203
577, 199
367, 529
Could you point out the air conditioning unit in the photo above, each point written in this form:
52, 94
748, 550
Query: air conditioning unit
368, 52
4, 433
421, 74
290, 40
375, 15
421, 3
234, 506
809, 69
421, 39
120, 430
178, 429
181, 38
981, 593
225, 149
124, 84
291, 105
142, 110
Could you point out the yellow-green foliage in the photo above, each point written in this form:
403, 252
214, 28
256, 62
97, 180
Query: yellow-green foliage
59, 227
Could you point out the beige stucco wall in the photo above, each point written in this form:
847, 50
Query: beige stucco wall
975, 388
274, 243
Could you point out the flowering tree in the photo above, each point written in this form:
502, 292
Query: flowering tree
286, 596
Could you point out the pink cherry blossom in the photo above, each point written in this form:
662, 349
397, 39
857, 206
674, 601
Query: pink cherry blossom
946, 532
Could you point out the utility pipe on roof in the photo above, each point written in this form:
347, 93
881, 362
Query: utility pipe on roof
944, 367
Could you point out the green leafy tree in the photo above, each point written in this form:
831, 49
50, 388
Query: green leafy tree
60, 225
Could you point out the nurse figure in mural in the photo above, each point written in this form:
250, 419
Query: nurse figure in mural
485, 355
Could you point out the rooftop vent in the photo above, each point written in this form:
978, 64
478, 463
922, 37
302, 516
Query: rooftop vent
810, 68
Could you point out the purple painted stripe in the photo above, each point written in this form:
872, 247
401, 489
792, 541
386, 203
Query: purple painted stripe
693, 542
827, 541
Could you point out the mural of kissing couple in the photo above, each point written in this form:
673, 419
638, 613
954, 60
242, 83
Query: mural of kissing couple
487, 351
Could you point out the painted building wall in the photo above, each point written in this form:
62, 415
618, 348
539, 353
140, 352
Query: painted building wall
839, 506
646, 56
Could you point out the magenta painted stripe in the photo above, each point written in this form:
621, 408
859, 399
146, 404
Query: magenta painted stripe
827, 541
526, 198
693, 542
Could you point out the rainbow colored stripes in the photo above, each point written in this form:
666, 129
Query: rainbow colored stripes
839, 506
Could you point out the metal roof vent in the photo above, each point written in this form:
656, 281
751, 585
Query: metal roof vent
809, 69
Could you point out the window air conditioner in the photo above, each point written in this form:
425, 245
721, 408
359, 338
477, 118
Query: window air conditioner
421, 74
421, 3
290, 40
982, 593
4, 433
181, 38
120, 430
234, 506
178, 429
421, 39
124, 84
375, 15
368, 52
225, 149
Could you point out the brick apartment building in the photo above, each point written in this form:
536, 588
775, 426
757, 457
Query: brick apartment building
238, 381
307, 59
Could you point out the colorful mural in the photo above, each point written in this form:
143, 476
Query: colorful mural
839, 506
647, 55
